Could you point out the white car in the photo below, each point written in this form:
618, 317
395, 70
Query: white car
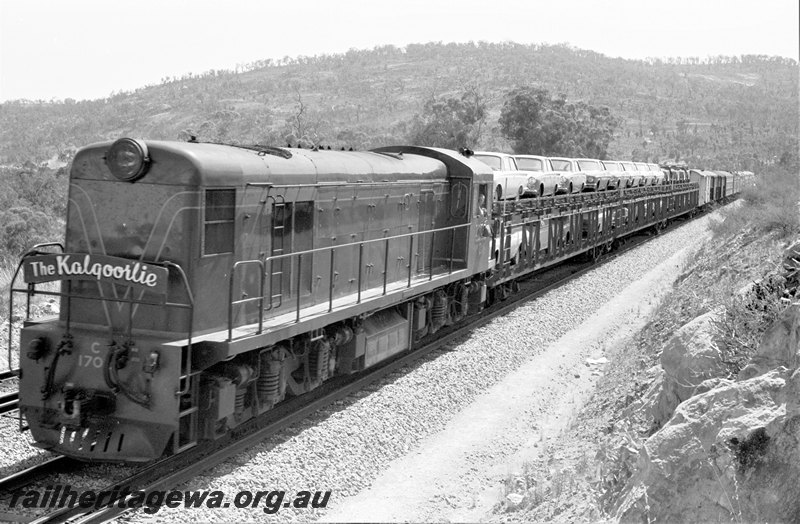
509, 182
596, 175
551, 182
648, 178
657, 174
620, 177
568, 168
635, 176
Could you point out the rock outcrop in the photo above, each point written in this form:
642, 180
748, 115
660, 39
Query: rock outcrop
730, 452
779, 347
688, 359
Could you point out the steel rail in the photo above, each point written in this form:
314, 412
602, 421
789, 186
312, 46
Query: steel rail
9, 401
20, 479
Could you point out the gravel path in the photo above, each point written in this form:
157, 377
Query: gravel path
429, 438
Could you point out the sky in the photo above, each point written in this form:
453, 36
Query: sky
87, 49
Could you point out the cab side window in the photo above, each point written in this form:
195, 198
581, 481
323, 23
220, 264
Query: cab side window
483, 192
459, 200
219, 221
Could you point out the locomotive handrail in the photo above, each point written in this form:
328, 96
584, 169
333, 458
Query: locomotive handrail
369, 241
259, 298
184, 390
31, 252
332, 250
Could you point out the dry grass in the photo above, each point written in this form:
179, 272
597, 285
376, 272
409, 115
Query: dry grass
770, 208
771, 205
746, 316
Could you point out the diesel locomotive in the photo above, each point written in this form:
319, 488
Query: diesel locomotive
201, 284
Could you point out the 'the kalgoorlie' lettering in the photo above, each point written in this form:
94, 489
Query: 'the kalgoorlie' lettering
136, 273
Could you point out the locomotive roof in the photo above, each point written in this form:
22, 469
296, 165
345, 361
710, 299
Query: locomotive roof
204, 164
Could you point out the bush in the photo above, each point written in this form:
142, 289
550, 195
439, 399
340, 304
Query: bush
21, 228
746, 317
768, 206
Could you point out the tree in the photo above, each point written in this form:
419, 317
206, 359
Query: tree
21, 228
537, 123
304, 126
451, 122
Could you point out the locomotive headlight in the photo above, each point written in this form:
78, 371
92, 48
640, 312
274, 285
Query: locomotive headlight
37, 348
127, 159
150, 364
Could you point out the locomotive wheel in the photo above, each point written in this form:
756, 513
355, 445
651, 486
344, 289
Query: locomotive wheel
502, 292
596, 254
490, 299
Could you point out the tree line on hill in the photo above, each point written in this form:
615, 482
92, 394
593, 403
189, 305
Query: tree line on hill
532, 120
721, 112
734, 112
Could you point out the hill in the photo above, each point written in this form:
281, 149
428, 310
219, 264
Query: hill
730, 112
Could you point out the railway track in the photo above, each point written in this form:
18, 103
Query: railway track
9, 400
172, 472
8, 374
27, 476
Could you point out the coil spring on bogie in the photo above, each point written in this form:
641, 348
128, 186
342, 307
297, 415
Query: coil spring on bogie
318, 360
269, 380
238, 405
439, 310
268, 385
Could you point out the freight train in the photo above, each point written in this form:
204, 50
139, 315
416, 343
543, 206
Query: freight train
202, 284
